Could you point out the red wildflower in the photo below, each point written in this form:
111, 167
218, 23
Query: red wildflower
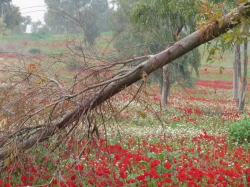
160, 183
73, 177
168, 165
71, 184
90, 182
168, 180
131, 181
238, 166
140, 177
155, 163
23, 178
8, 184
123, 175
54, 181
154, 174
182, 176
31, 178
79, 167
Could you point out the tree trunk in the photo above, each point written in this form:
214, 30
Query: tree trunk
239, 83
236, 71
165, 87
113, 86
242, 90
1, 10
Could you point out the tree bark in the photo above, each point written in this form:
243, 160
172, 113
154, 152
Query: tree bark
117, 84
236, 71
239, 84
165, 87
1, 10
243, 85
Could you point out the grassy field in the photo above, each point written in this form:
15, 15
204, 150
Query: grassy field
186, 144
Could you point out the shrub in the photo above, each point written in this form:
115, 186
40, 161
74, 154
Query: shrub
74, 64
240, 131
79, 48
34, 51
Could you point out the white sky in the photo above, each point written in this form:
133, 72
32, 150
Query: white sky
33, 8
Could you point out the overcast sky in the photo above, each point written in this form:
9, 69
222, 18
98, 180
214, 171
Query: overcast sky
33, 8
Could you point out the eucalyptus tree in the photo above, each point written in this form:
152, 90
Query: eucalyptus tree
239, 81
2, 4
63, 16
76, 16
171, 21
242, 84
13, 18
35, 26
154, 26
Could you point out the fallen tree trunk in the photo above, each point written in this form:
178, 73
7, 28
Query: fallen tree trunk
115, 85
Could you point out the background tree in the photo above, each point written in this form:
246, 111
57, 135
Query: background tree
103, 14
239, 81
35, 26
25, 23
2, 5
77, 16
89, 24
14, 19
3, 29
243, 80
151, 29
54, 16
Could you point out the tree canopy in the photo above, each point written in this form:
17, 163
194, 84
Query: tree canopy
143, 27
11, 15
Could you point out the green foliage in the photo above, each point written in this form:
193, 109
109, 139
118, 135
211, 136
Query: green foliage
89, 24
74, 64
14, 20
3, 29
145, 25
39, 36
35, 26
82, 16
240, 131
32, 37
34, 51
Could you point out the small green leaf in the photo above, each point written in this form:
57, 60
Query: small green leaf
229, 40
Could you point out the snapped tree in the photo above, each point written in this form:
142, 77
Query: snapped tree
67, 107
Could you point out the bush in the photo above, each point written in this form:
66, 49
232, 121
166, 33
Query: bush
34, 51
74, 64
240, 131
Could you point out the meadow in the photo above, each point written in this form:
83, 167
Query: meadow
186, 144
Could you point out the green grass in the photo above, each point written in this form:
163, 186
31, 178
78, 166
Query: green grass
28, 37
46, 36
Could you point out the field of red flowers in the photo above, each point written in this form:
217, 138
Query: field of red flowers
186, 144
